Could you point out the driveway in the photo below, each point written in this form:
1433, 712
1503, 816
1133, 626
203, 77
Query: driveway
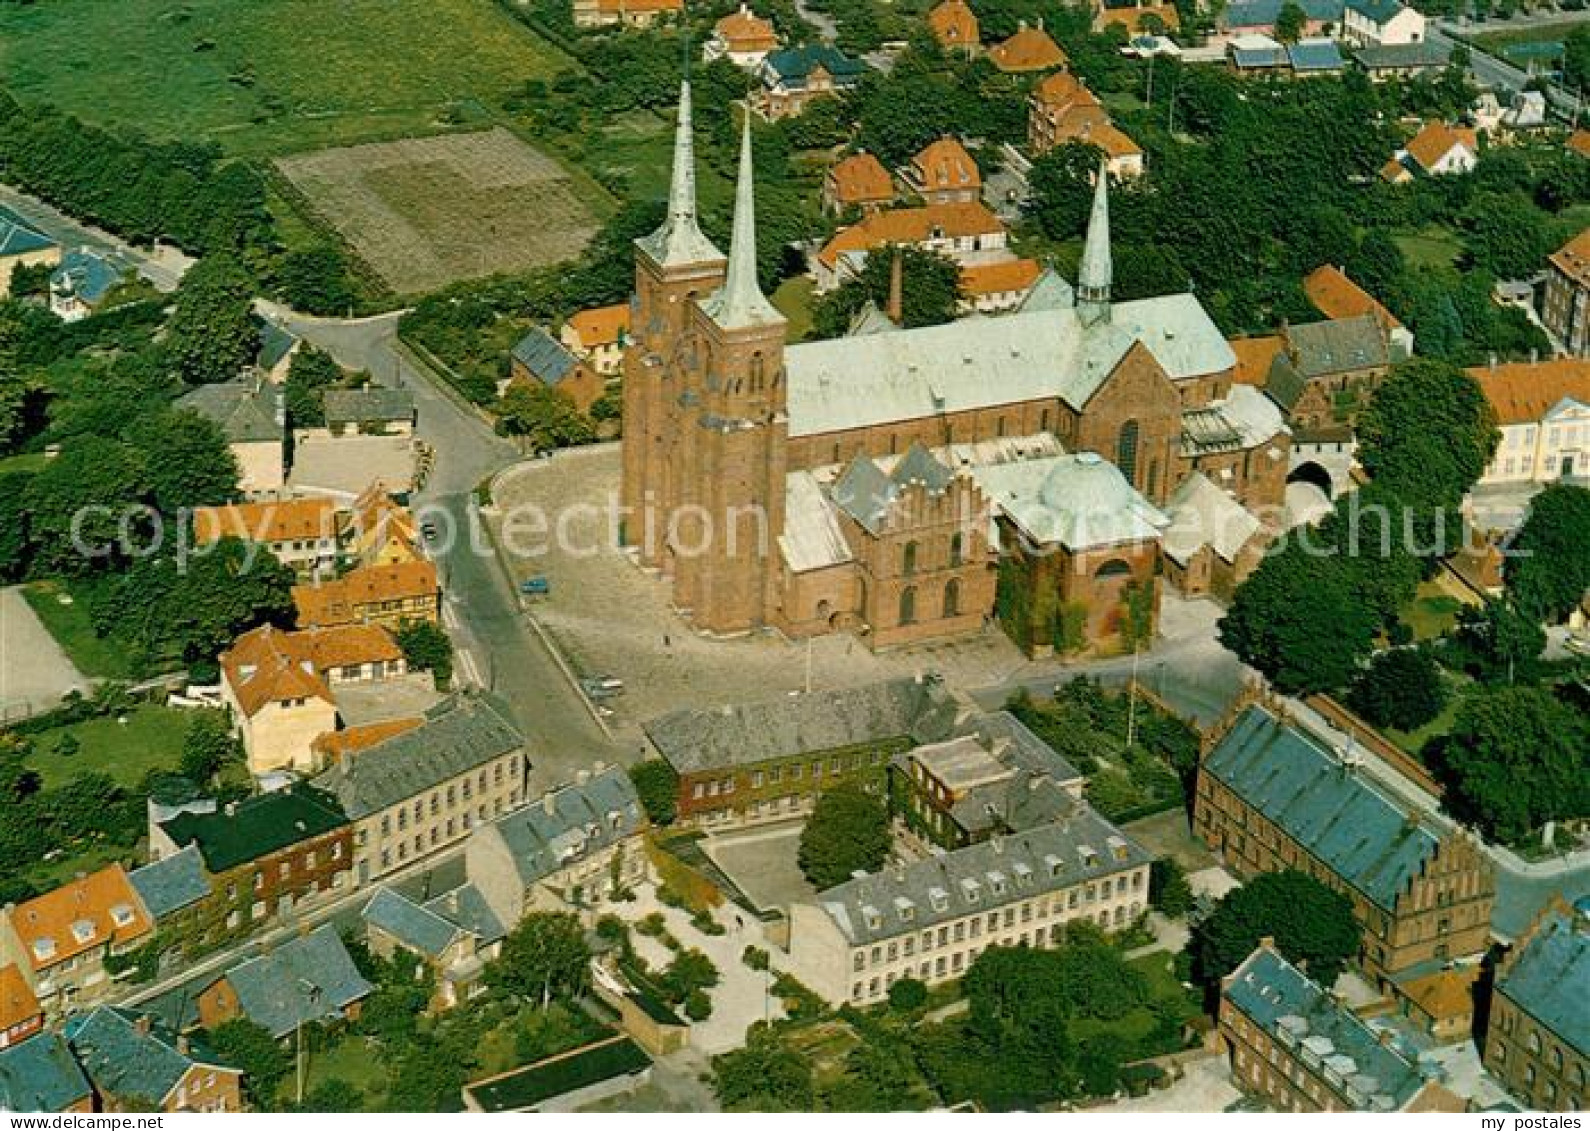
34, 671
164, 267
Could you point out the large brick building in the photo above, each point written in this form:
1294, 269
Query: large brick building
1565, 307
1271, 797
736, 443
1537, 1042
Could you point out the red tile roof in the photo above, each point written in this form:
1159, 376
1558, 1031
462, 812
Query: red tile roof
18, 1006
945, 165
1522, 393
79, 916
1336, 296
284, 520
912, 226
1437, 139
1573, 258
1030, 49
861, 179
998, 278
954, 24
342, 600
601, 325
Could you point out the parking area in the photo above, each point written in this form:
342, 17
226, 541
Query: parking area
34, 671
553, 518
762, 864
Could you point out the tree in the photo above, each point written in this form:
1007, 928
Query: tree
315, 280
187, 460
1061, 189
1427, 434
1312, 926
212, 334
690, 972
208, 745
1515, 759
929, 289
658, 786
1169, 893
427, 648
1548, 563
908, 994
1099, 1060
1507, 235
547, 418
1400, 688
77, 501
1291, 22
848, 832
1377, 264
544, 957
250, 1047
765, 1075
1501, 635
310, 373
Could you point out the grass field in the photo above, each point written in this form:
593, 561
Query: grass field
1498, 42
264, 77
68, 622
1433, 246
425, 212
794, 301
151, 739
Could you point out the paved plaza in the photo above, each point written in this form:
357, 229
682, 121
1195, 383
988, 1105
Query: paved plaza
762, 864
34, 671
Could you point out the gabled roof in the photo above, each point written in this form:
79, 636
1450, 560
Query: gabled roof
1579, 142
275, 343
340, 601
1315, 55
944, 165
1030, 49
1524, 392
861, 179
87, 275
744, 733
865, 493
19, 237
169, 885
795, 64
351, 740
744, 30
1323, 349
308, 980
1278, 998
912, 226
1254, 358
246, 409
1335, 295
601, 325
1079, 501
459, 734
1201, 514
953, 24
1573, 258
18, 1005
372, 403
268, 665
256, 827
133, 1057
1376, 11
468, 910
40, 1074
982, 876
1548, 975
568, 824
1063, 90
1393, 56
1376, 844
280, 520
94, 911
1436, 139
998, 278
546, 358
410, 924
1263, 13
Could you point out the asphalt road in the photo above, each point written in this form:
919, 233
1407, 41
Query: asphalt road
164, 271
498, 649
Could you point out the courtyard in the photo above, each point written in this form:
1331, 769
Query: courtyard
761, 862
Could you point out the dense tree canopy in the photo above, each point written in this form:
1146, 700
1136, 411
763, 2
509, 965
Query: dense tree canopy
930, 285
1312, 926
545, 956
1515, 759
1400, 688
848, 832
658, 786
1427, 434
212, 334
1548, 562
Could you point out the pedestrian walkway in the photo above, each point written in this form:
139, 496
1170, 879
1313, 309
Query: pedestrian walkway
34, 670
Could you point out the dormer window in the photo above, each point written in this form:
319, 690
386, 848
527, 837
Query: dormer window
121, 915
83, 931
996, 881
1117, 848
43, 949
972, 890
1023, 875
939, 898
873, 918
1088, 855
904, 908
1054, 864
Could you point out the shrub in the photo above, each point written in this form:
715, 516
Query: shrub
908, 994
755, 958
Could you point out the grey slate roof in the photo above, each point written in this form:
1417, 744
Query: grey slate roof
1380, 11
568, 824
89, 275
372, 403
409, 923
1550, 978
1426, 53
1263, 13
1258, 58
459, 734
545, 357
982, 876
275, 343
1314, 55
247, 411
1036, 352
1335, 812
1282, 1001
169, 885
865, 492
1050, 292
40, 1074
468, 910
127, 1064
793, 65
739, 735
307, 980
18, 236
1321, 349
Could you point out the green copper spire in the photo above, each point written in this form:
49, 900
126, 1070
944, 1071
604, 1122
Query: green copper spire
1094, 276
679, 241
740, 302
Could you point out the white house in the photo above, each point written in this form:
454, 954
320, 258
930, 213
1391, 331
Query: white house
1381, 23
1543, 411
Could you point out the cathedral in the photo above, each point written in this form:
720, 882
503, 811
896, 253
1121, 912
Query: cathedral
909, 484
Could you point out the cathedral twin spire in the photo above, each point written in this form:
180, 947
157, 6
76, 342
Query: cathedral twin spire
1095, 275
739, 303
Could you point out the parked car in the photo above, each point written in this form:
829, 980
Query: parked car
601, 687
537, 586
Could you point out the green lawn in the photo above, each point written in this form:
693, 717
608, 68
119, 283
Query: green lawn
348, 1058
26, 461
1497, 42
794, 301
1432, 612
268, 76
151, 739
68, 622
1431, 246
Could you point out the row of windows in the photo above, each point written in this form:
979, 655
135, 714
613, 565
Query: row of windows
794, 771
439, 832
449, 798
949, 606
949, 436
949, 965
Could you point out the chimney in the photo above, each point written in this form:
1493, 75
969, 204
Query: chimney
141, 1024
231, 808
184, 1048
896, 308
549, 802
